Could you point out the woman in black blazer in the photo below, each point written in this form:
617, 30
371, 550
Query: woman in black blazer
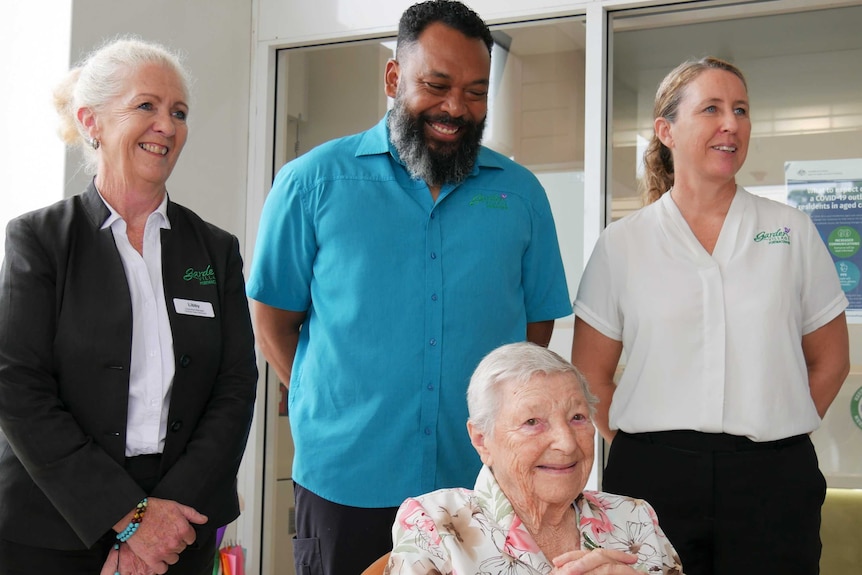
127, 365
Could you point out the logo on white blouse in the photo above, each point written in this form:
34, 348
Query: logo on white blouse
779, 236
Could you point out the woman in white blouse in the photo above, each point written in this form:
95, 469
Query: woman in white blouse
731, 315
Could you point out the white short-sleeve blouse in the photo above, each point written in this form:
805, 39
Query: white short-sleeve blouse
712, 342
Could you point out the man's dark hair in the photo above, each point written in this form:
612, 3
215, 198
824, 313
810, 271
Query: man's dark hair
452, 13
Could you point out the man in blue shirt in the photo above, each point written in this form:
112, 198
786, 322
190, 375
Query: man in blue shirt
388, 263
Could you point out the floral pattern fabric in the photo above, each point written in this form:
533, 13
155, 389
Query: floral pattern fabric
464, 532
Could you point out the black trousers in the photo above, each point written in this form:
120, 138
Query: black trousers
727, 504
17, 559
333, 539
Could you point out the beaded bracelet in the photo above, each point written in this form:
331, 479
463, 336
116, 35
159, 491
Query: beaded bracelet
133, 525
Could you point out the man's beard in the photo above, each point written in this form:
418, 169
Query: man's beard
446, 163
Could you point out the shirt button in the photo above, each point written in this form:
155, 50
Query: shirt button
427, 431
432, 341
432, 215
430, 387
434, 297
433, 255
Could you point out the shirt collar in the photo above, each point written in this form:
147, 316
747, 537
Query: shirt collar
491, 498
159, 216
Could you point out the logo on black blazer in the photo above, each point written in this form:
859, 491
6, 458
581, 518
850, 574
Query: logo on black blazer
206, 277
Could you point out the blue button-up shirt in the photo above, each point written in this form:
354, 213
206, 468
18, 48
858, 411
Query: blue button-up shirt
404, 296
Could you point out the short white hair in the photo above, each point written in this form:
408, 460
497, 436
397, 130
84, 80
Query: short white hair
514, 363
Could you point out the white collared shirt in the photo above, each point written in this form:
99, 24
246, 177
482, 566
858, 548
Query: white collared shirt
712, 341
152, 368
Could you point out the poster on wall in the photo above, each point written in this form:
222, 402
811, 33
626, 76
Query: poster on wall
830, 191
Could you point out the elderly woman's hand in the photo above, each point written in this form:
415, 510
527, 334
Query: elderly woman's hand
595, 562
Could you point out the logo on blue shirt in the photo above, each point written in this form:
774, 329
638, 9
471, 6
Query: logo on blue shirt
495, 201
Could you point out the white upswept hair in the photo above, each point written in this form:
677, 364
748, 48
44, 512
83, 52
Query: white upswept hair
514, 363
98, 79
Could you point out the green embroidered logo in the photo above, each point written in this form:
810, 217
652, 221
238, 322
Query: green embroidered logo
856, 408
206, 277
780, 236
497, 202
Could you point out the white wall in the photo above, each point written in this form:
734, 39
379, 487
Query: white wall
32, 164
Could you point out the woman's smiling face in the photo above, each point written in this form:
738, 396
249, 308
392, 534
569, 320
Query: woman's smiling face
143, 130
542, 444
710, 136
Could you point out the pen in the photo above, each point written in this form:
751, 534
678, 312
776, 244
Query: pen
589, 544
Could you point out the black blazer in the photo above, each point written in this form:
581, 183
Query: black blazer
65, 352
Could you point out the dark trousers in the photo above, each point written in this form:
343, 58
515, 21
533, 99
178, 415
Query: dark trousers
18, 559
333, 539
727, 504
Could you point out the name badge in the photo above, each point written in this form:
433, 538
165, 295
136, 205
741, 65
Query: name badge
191, 307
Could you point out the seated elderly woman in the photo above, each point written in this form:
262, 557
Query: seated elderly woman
530, 420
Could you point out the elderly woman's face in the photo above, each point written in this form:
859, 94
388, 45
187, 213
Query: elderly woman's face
541, 448
143, 130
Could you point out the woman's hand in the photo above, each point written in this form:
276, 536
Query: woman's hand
165, 531
125, 562
595, 562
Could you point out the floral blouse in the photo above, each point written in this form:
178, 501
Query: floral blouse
464, 532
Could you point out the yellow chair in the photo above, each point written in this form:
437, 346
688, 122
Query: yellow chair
378, 566
841, 532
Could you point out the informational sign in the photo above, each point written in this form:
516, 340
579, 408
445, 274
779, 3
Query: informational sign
830, 191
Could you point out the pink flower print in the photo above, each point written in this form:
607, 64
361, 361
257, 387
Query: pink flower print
599, 524
519, 540
636, 538
414, 517
596, 502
